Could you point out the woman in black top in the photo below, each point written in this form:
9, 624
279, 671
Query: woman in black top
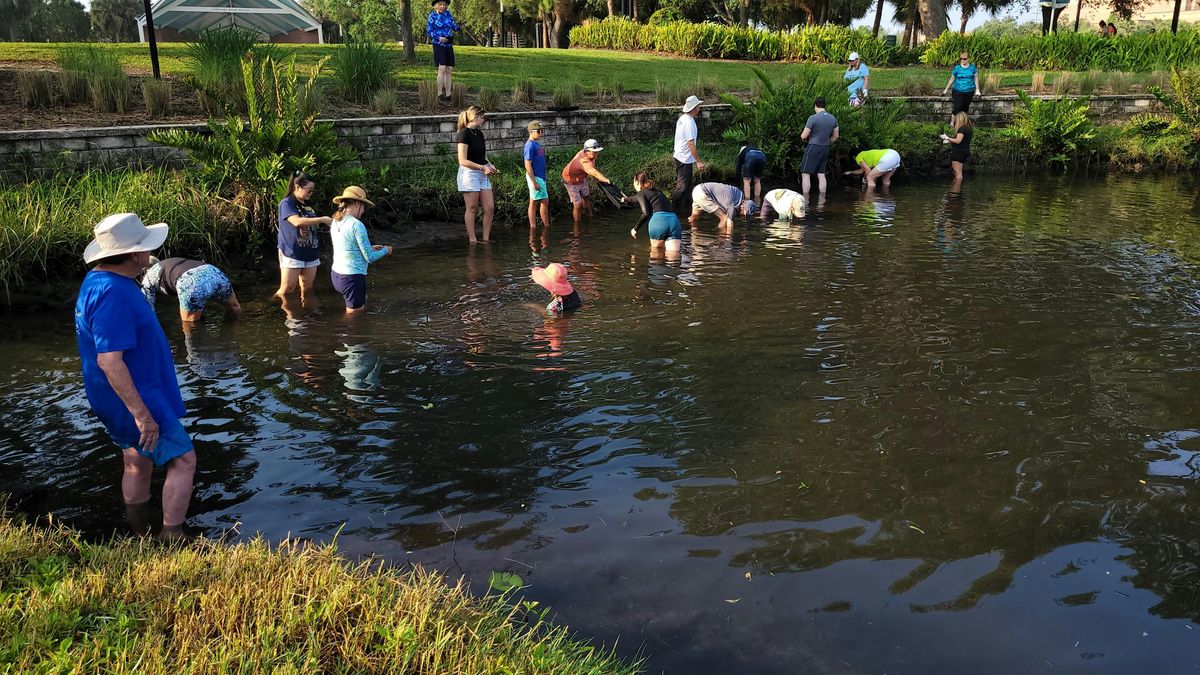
960, 142
664, 227
473, 172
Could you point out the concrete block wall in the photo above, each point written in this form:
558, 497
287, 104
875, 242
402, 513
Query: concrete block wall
996, 110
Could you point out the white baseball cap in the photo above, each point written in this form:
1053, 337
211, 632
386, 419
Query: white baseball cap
592, 144
853, 56
123, 233
691, 104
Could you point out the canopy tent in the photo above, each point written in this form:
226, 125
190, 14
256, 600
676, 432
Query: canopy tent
271, 18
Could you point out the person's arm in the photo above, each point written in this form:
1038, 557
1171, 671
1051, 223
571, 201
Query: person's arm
696, 154
977, 82
956, 138
233, 304
834, 136
861, 170
866, 78
113, 365
429, 27
371, 253
740, 162
644, 202
948, 83
302, 222
529, 170
806, 133
590, 168
462, 158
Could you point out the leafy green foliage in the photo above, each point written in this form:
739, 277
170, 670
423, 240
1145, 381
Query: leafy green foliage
214, 66
360, 68
776, 119
826, 43
1139, 52
1056, 130
252, 157
1184, 102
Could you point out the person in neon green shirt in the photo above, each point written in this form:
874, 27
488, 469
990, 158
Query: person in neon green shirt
876, 164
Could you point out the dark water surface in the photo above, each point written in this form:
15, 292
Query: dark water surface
926, 433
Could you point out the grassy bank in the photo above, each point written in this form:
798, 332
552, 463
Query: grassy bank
130, 606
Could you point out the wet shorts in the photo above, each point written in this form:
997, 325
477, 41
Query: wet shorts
578, 193
353, 288
173, 442
286, 263
537, 190
755, 164
199, 285
472, 180
816, 158
664, 226
443, 55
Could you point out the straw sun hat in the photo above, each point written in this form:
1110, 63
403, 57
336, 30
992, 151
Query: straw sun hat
123, 233
353, 192
553, 277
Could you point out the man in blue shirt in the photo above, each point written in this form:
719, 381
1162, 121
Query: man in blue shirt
129, 373
535, 176
860, 79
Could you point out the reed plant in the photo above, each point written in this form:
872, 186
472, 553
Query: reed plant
669, 93
1037, 83
991, 83
458, 96
427, 95
385, 101
489, 99
1160, 79
1065, 83
360, 68
1120, 82
72, 76
617, 89
917, 85
706, 86
1089, 81
601, 92
564, 97
157, 96
287, 608
35, 88
108, 84
524, 91
214, 66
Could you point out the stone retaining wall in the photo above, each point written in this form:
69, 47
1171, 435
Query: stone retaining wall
392, 139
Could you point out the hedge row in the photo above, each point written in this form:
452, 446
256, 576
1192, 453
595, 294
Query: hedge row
1137, 52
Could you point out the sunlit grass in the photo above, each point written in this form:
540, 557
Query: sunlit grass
131, 606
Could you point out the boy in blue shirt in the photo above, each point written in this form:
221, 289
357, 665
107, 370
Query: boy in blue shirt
535, 176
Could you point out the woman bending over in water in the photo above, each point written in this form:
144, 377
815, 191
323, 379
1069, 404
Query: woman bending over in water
665, 229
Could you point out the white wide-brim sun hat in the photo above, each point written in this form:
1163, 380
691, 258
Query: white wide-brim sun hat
691, 104
123, 233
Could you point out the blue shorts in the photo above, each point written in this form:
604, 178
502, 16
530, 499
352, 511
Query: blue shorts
173, 442
664, 226
537, 190
353, 288
756, 163
199, 285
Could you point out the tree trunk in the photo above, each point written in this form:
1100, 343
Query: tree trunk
744, 13
635, 12
410, 50
933, 17
1078, 7
878, 19
1175, 18
962, 23
908, 27
612, 7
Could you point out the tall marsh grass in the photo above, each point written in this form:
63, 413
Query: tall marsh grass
214, 63
1138, 52
524, 91
360, 68
157, 96
35, 88
46, 223
91, 72
131, 606
72, 76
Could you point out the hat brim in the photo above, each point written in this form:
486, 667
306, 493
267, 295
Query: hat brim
156, 235
341, 198
541, 278
689, 107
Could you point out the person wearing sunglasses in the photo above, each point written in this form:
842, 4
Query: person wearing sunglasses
964, 78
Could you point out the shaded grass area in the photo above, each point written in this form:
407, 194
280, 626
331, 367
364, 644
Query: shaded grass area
500, 68
67, 605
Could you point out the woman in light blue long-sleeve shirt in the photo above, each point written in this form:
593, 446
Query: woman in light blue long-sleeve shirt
352, 249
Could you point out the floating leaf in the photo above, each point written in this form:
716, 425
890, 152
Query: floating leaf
734, 601
504, 581
427, 406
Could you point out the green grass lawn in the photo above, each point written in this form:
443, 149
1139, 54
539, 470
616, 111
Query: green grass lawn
500, 67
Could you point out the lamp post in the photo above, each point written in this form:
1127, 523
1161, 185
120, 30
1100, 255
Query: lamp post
152, 39
502, 40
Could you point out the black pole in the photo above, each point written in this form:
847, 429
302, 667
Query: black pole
153, 40
1175, 18
1077, 8
503, 40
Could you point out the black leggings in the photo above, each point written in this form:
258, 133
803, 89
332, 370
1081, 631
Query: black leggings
962, 101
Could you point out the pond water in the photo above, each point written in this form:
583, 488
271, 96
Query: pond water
924, 432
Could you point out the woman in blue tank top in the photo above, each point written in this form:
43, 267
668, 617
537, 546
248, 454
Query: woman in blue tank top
964, 78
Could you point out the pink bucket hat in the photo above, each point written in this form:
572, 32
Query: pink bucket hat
553, 277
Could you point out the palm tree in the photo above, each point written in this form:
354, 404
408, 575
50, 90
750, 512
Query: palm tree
116, 20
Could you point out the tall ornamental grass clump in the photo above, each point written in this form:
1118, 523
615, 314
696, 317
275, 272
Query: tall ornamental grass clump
72, 75
35, 88
360, 68
1055, 130
214, 65
128, 606
249, 159
827, 44
46, 223
1136, 52
775, 120
94, 73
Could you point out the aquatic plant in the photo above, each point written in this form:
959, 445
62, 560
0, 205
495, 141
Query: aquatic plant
293, 607
250, 158
1184, 99
214, 66
1056, 130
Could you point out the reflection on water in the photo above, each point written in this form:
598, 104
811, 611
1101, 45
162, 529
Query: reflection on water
932, 429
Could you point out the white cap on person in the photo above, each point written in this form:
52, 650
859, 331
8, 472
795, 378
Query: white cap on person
853, 56
691, 104
592, 144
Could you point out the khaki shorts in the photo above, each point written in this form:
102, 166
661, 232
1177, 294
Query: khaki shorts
578, 193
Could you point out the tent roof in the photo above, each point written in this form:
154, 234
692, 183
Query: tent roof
267, 17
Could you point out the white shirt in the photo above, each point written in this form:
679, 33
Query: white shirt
685, 130
781, 200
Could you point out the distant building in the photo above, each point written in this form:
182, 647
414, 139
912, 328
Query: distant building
1158, 10
274, 20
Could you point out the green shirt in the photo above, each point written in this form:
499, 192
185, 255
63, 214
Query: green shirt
871, 157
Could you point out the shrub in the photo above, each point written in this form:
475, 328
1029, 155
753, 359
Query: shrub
564, 97
1056, 130
1184, 100
458, 96
214, 66
251, 158
34, 88
427, 95
524, 91
1141, 52
775, 125
157, 95
360, 68
385, 101
489, 99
